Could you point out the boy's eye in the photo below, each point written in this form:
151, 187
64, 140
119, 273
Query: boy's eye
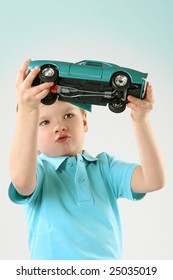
44, 123
68, 116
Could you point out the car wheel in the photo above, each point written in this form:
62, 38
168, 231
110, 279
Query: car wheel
117, 106
48, 73
121, 81
49, 99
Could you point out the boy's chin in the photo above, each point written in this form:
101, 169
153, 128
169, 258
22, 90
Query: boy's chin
61, 154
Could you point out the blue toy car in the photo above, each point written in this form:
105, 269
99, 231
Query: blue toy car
90, 82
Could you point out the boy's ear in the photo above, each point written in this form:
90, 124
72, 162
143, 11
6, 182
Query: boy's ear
85, 122
85, 127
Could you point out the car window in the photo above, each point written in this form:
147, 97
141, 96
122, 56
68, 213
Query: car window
82, 63
90, 63
93, 64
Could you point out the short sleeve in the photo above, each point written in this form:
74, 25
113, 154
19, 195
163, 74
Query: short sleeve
16, 197
120, 178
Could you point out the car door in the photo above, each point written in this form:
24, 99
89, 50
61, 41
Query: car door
87, 70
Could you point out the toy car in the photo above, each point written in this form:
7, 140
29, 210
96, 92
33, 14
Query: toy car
90, 82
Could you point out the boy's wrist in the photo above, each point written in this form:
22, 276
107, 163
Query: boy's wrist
27, 115
139, 117
140, 121
25, 108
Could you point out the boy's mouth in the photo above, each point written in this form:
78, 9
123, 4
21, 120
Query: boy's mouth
62, 138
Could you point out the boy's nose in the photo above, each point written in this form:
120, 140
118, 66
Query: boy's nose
59, 128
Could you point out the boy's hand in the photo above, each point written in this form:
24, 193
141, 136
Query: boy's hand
141, 107
30, 96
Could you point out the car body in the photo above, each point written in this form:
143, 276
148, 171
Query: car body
90, 82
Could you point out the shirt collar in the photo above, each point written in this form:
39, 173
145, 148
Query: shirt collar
57, 161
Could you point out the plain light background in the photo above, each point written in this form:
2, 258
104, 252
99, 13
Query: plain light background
132, 33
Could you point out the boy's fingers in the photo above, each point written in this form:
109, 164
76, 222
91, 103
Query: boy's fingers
31, 76
149, 98
41, 94
134, 100
143, 103
22, 72
149, 93
42, 87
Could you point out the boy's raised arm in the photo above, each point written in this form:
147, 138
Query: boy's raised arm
150, 175
23, 155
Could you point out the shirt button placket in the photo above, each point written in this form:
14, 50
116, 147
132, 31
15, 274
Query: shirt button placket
70, 164
80, 180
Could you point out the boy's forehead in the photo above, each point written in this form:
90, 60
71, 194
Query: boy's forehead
65, 106
86, 107
58, 105
68, 105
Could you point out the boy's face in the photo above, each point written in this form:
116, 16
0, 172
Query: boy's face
61, 129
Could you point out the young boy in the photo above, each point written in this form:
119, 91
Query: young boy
71, 197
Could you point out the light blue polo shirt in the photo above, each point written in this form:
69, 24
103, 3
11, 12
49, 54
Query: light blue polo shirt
73, 212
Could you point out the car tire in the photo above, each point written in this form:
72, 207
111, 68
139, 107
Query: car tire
48, 73
117, 106
121, 81
49, 99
